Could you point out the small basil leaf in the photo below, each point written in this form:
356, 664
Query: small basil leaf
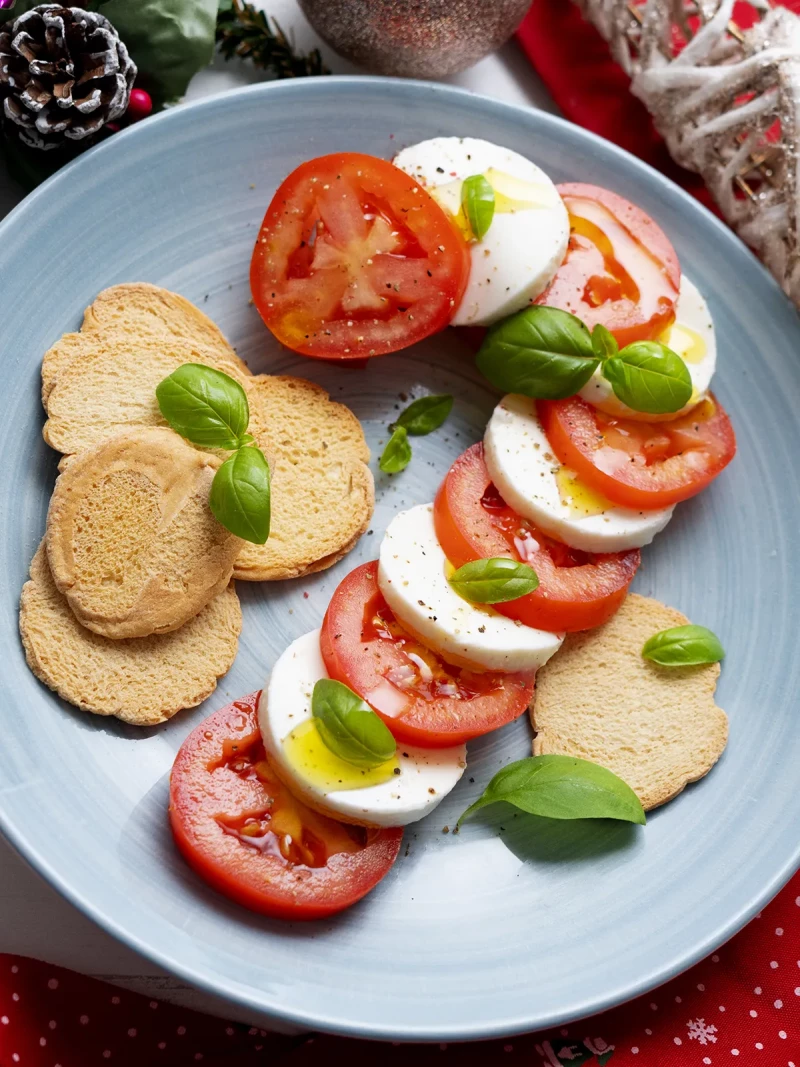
649, 377
494, 581
397, 454
603, 342
240, 495
349, 727
477, 200
541, 352
204, 405
683, 646
561, 787
425, 415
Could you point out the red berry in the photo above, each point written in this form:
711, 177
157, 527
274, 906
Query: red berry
140, 105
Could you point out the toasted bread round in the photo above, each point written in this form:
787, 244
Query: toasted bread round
322, 489
657, 728
143, 680
131, 539
110, 386
138, 313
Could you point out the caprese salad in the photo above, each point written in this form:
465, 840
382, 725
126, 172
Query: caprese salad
292, 801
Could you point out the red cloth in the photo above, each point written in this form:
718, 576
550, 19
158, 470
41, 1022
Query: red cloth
741, 1006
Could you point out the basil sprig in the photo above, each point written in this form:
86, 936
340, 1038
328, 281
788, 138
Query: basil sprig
349, 727
240, 495
549, 354
494, 581
205, 406
421, 417
424, 415
210, 409
396, 456
683, 646
477, 200
649, 377
540, 352
561, 787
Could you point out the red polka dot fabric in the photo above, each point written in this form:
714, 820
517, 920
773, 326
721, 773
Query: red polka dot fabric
740, 1006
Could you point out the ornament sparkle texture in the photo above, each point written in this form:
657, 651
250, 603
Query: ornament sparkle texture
415, 38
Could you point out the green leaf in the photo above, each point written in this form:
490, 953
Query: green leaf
240, 495
397, 454
603, 342
683, 646
425, 415
561, 787
541, 352
169, 40
477, 200
649, 377
494, 581
349, 727
205, 406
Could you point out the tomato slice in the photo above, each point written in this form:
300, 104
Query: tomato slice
355, 259
577, 590
243, 832
620, 268
635, 464
421, 698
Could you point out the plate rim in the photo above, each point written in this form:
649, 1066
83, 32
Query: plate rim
267, 1007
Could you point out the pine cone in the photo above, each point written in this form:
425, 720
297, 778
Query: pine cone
64, 73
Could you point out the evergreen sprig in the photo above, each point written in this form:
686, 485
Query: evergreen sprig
247, 33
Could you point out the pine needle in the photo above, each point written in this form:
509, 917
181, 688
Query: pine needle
247, 33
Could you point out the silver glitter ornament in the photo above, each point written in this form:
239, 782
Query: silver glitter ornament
415, 38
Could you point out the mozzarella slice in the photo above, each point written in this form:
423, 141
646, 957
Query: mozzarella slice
527, 240
402, 791
412, 575
530, 479
692, 336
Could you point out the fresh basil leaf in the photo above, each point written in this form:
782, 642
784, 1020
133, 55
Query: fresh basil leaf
240, 495
424, 415
649, 377
683, 646
397, 454
477, 200
494, 581
349, 727
541, 352
604, 342
561, 787
205, 406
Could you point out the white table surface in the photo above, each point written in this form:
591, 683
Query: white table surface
34, 919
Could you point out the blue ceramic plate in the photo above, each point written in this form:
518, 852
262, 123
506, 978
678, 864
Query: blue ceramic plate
491, 932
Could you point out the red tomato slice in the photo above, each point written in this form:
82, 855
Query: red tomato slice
355, 259
577, 590
620, 268
421, 698
640, 465
243, 832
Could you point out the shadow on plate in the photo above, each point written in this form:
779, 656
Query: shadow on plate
557, 841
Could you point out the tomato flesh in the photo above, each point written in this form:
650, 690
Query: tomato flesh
577, 590
640, 465
355, 259
246, 835
421, 698
620, 269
